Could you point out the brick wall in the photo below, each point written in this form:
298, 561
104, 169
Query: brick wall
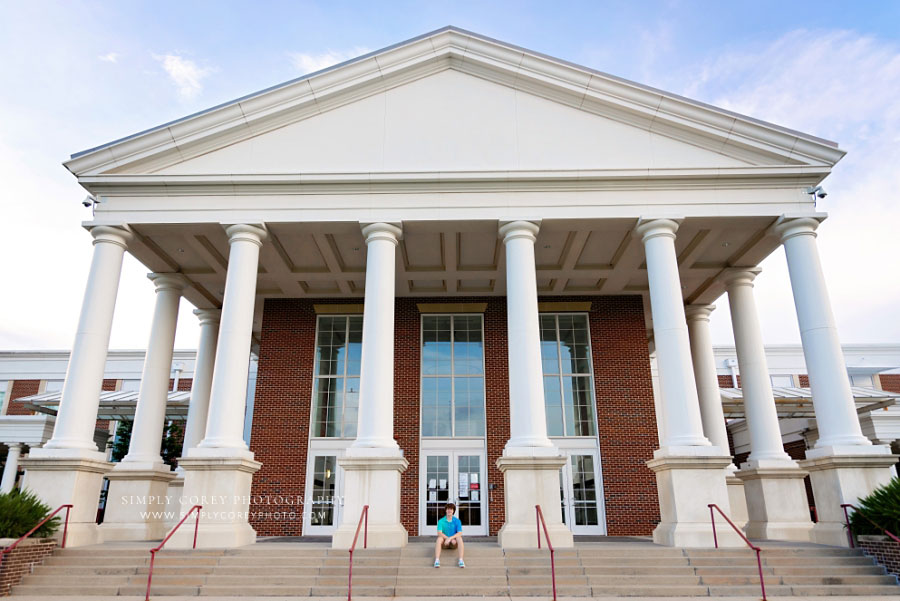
21, 388
625, 414
280, 431
804, 381
883, 550
725, 381
890, 382
18, 563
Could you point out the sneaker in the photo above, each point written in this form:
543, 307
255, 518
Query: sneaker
437, 563
462, 564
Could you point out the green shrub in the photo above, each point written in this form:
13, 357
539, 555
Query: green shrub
881, 507
21, 511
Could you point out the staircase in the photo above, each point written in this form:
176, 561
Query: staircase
612, 569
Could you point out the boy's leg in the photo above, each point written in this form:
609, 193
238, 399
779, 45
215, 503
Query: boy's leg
438, 545
461, 546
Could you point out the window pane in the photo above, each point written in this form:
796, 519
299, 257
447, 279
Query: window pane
469, 407
582, 406
328, 406
553, 404
436, 407
338, 353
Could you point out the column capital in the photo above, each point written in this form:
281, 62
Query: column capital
788, 227
169, 281
246, 232
382, 230
651, 227
698, 312
113, 234
521, 228
740, 276
208, 316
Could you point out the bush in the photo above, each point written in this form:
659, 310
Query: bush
881, 507
21, 511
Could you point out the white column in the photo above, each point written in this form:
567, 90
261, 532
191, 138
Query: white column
150, 413
705, 374
844, 466
376, 377
69, 468
531, 462
684, 427
198, 410
374, 462
759, 403
690, 472
836, 415
221, 466
11, 468
527, 413
228, 396
77, 417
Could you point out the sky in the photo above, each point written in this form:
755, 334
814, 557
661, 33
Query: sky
79, 74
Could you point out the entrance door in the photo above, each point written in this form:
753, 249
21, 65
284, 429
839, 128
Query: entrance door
324, 493
580, 488
458, 477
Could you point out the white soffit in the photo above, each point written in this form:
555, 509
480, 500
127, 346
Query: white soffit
667, 116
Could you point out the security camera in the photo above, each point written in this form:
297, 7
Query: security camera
819, 191
88, 201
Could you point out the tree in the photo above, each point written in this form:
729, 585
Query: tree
170, 445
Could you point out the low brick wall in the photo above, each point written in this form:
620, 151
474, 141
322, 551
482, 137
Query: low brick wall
18, 562
883, 549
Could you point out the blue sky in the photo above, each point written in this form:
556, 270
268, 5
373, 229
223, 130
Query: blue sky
78, 74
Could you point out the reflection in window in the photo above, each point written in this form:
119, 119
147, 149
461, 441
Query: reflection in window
336, 386
452, 375
568, 392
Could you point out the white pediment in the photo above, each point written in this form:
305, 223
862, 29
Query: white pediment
454, 101
452, 121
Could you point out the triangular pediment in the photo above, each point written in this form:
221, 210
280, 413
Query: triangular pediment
452, 101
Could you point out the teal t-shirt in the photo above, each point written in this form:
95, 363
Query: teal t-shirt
449, 527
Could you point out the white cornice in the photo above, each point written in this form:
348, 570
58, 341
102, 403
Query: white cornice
470, 181
570, 84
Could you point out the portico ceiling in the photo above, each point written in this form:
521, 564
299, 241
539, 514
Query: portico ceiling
453, 258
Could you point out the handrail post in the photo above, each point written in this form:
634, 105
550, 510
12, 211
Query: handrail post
762, 583
363, 515
844, 506
712, 519
153, 551
539, 517
66, 527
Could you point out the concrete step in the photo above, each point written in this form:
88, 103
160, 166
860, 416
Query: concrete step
543, 591
643, 579
649, 591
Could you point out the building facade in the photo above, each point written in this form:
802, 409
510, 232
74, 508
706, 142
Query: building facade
455, 256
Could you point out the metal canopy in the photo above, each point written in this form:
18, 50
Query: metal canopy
797, 402
113, 405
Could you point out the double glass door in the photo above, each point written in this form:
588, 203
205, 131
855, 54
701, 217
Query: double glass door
457, 477
324, 493
580, 492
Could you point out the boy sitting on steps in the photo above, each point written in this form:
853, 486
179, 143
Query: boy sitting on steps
449, 536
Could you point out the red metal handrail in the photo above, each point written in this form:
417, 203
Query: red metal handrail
539, 516
363, 514
712, 517
165, 540
844, 506
9, 549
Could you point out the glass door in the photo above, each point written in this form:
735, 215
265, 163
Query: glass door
458, 477
324, 494
580, 491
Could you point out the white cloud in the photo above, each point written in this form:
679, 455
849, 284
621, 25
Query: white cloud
842, 86
310, 63
185, 74
111, 57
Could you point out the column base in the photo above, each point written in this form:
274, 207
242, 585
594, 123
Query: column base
686, 486
737, 499
73, 476
838, 479
372, 477
221, 484
777, 506
173, 500
136, 503
531, 477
